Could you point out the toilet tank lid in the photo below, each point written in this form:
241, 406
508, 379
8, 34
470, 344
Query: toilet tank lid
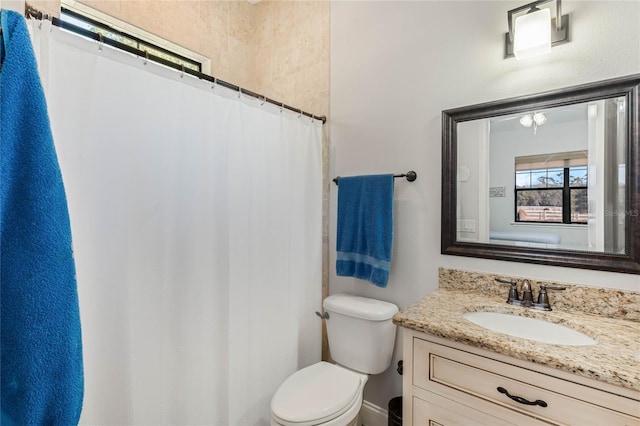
360, 307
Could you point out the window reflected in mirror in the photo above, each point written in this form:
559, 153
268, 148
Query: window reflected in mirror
552, 188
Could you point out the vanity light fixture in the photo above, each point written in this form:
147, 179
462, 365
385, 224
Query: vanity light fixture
534, 32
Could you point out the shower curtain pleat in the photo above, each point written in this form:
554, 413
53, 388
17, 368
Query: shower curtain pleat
196, 219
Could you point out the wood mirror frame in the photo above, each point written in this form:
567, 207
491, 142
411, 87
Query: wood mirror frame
628, 262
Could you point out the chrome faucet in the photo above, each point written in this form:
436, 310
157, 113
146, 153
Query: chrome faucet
527, 294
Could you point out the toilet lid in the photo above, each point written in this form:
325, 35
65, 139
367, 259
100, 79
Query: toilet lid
315, 394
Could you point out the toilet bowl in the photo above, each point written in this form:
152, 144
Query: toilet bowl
321, 394
361, 339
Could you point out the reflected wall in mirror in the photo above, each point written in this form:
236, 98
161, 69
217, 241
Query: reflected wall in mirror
549, 178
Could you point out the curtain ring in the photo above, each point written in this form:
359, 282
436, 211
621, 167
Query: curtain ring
100, 41
300, 114
182, 72
239, 92
146, 57
281, 106
215, 81
264, 99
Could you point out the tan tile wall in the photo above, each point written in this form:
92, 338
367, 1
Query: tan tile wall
292, 52
278, 48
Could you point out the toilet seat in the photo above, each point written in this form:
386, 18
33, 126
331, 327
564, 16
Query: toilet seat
316, 394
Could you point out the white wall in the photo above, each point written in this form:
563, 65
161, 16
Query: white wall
395, 66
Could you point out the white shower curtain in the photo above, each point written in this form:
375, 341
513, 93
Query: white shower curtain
196, 220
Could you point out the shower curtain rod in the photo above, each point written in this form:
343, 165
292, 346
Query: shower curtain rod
31, 12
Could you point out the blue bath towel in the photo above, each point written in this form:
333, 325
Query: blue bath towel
42, 373
365, 227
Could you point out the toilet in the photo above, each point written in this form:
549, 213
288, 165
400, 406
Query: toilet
361, 339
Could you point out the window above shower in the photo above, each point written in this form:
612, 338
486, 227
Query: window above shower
88, 22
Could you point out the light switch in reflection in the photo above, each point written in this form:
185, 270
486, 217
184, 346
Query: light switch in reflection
466, 225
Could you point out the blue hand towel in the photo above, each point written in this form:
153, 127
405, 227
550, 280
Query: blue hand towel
42, 372
365, 227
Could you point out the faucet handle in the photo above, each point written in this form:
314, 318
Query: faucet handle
543, 297
513, 291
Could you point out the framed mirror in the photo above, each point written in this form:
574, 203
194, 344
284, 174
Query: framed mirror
550, 178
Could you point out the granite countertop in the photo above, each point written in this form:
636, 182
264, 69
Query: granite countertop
615, 359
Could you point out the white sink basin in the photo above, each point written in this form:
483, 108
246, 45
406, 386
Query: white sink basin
529, 328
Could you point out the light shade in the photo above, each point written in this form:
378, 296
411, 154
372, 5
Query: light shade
535, 32
539, 118
532, 34
526, 120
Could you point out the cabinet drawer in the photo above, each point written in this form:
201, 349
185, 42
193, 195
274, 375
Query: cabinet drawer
435, 410
464, 376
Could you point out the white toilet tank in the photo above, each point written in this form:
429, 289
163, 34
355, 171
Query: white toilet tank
361, 334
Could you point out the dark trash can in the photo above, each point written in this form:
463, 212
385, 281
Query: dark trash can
395, 411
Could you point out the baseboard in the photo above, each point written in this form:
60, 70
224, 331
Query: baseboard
372, 415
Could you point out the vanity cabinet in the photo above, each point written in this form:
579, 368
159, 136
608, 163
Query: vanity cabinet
447, 383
